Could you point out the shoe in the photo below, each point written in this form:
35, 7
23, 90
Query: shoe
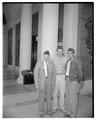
62, 111
67, 115
67, 112
72, 116
54, 111
41, 115
49, 113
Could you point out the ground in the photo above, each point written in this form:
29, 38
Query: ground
21, 101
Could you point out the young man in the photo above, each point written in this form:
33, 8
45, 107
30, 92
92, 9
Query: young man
73, 76
44, 76
60, 62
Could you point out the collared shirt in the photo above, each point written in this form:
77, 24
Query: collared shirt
60, 64
45, 68
68, 68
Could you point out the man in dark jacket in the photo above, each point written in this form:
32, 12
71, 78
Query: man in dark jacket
73, 76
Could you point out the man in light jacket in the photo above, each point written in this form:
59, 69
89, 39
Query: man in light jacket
44, 76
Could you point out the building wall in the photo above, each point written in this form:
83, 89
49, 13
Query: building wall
84, 12
13, 17
83, 53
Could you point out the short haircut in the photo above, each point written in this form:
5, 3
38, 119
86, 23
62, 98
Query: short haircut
59, 47
71, 49
47, 53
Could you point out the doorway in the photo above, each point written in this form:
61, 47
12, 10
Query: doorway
34, 52
34, 42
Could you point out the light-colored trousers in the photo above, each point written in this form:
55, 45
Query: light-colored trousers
71, 89
45, 99
59, 89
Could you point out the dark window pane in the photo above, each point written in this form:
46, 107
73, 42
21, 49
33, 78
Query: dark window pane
35, 23
10, 42
60, 23
17, 49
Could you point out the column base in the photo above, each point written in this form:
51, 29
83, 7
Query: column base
20, 80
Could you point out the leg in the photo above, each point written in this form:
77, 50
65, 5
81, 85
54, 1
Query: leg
41, 103
55, 94
67, 96
62, 92
74, 98
48, 101
48, 98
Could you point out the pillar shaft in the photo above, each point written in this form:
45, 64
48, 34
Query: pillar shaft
25, 38
39, 32
70, 26
49, 35
5, 46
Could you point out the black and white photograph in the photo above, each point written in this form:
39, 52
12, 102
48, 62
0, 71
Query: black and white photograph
48, 59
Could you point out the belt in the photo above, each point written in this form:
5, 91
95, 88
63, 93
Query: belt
60, 74
66, 76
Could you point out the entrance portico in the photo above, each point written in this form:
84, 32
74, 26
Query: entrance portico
48, 32
50, 25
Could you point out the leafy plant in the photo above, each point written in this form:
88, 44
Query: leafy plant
89, 38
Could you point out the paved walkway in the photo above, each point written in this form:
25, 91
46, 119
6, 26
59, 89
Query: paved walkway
21, 101
25, 105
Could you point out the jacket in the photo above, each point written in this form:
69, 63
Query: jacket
39, 75
75, 71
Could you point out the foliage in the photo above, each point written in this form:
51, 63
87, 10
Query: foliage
89, 38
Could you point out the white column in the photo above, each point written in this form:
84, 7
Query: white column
49, 35
70, 26
25, 39
14, 38
39, 31
5, 46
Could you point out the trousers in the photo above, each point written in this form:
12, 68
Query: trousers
45, 96
71, 96
59, 90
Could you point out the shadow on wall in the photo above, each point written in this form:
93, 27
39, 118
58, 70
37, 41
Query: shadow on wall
86, 87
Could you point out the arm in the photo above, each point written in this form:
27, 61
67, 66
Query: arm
36, 72
53, 76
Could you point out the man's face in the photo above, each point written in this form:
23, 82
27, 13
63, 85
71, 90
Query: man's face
70, 54
59, 52
46, 57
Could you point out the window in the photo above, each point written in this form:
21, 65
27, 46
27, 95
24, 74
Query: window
10, 43
17, 48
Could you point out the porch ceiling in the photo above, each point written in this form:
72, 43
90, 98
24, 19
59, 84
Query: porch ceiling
13, 10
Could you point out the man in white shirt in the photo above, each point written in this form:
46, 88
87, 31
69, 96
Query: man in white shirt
59, 61
44, 76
